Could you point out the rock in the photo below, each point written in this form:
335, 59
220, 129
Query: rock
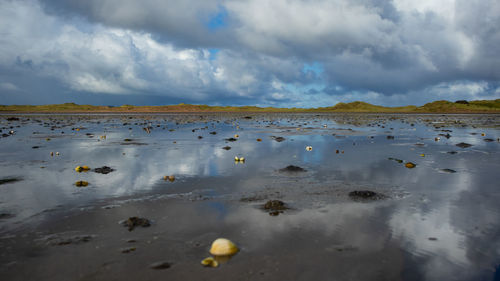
213, 133
463, 145
132, 222
127, 250
489, 140
226, 147
452, 152
231, 139
450, 171
395, 159
160, 265
278, 139
445, 135
104, 170
293, 169
12, 119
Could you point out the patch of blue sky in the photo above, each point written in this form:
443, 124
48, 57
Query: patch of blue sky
315, 67
213, 53
319, 87
218, 20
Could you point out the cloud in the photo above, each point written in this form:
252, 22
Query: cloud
234, 52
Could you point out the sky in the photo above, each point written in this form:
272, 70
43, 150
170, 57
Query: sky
282, 53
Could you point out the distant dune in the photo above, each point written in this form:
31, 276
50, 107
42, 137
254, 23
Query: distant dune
462, 106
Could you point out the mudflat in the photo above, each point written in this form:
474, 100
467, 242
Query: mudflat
304, 196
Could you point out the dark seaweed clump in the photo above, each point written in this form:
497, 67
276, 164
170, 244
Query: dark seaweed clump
362, 195
293, 169
104, 170
132, 222
9, 180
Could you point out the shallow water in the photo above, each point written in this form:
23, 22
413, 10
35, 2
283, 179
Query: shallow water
437, 221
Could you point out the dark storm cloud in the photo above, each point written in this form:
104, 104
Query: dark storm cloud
255, 52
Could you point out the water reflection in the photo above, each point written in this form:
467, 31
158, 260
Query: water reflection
434, 225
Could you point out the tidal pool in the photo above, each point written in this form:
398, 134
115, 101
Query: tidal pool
439, 220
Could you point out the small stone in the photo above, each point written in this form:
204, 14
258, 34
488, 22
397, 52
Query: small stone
127, 250
463, 145
160, 265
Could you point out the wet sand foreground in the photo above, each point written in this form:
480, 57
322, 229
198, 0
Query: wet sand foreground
315, 197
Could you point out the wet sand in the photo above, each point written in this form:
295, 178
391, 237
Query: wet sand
436, 221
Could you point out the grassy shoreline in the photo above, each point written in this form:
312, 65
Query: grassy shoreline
480, 106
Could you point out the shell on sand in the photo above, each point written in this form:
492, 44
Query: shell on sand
209, 262
223, 247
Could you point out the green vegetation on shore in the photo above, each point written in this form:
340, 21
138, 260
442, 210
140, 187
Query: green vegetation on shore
480, 106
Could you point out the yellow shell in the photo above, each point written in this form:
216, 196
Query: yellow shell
81, 183
423, 155
410, 165
210, 262
236, 158
171, 178
223, 247
85, 168
236, 136
79, 169
242, 159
